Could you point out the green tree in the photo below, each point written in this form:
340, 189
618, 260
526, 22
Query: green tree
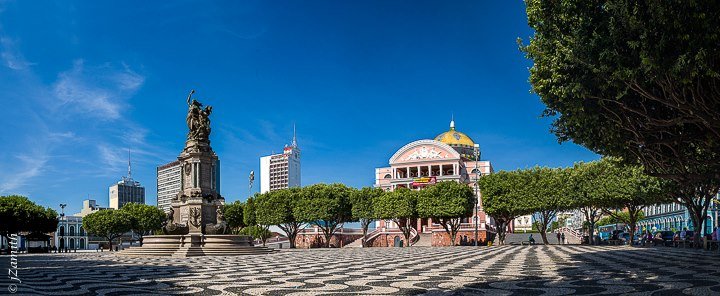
636, 80
503, 200
145, 218
588, 185
234, 215
399, 206
630, 190
362, 207
546, 191
19, 214
325, 206
277, 208
249, 218
256, 232
109, 224
447, 203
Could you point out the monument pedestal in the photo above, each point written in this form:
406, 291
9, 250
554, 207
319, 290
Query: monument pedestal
192, 245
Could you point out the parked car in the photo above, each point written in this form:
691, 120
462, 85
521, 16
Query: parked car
667, 237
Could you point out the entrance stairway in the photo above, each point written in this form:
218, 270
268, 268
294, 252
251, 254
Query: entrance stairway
425, 240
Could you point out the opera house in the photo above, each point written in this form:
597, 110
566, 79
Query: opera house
451, 156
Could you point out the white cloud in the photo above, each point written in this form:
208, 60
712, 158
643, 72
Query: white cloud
11, 57
115, 159
29, 166
98, 92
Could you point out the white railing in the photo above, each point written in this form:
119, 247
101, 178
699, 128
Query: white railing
414, 236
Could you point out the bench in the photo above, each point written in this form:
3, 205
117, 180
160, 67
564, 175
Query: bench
710, 243
615, 242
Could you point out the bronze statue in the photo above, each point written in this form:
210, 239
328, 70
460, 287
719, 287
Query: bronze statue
198, 120
220, 226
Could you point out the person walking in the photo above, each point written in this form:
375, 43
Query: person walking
558, 237
562, 237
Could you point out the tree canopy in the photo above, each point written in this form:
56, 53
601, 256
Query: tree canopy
278, 208
399, 206
325, 206
447, 203
19, 214
144, 218
233, 213
503, 200
109, 224
362, 207
637, 80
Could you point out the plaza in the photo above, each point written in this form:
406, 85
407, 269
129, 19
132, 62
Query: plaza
505, 270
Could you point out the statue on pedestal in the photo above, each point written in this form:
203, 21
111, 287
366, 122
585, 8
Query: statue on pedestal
198, 120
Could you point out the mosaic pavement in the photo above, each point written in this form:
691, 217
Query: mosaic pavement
507, 270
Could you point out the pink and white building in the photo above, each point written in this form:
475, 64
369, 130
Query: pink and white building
451, 156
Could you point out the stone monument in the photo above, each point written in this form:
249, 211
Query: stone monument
198, 203
195, 225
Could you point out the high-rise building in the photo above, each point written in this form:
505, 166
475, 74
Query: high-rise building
126, 190
169, 180
280, 171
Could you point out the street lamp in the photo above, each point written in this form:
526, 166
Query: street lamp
64, 227
477, 196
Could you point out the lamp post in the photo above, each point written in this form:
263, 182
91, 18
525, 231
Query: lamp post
477, 196
64, 227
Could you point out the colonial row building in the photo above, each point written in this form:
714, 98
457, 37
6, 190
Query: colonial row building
450, 156
674, 216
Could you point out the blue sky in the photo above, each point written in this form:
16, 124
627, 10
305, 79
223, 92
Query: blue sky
82, 82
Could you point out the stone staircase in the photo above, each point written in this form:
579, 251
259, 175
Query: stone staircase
425, 240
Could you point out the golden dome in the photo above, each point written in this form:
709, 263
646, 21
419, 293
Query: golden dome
455, 138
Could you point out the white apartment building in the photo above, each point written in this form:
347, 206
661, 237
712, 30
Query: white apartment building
169, 183
280, 171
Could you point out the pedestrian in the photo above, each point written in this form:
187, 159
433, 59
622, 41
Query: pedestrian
531, 240
683, 233
558, 237
562, 237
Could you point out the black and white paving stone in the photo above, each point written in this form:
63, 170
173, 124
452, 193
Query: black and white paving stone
506, 270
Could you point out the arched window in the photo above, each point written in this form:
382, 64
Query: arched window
72, 230
387, 176
71, 245
82, 243
82, 231
62, 230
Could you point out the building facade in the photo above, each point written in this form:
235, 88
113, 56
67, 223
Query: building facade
451, 156
125, 191
675, 217
281, 171
70, 234
169, 183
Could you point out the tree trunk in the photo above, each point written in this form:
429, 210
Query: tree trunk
698, 226
365, 224
501, 232
633, 227
591, 232
110, 243
543, 234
